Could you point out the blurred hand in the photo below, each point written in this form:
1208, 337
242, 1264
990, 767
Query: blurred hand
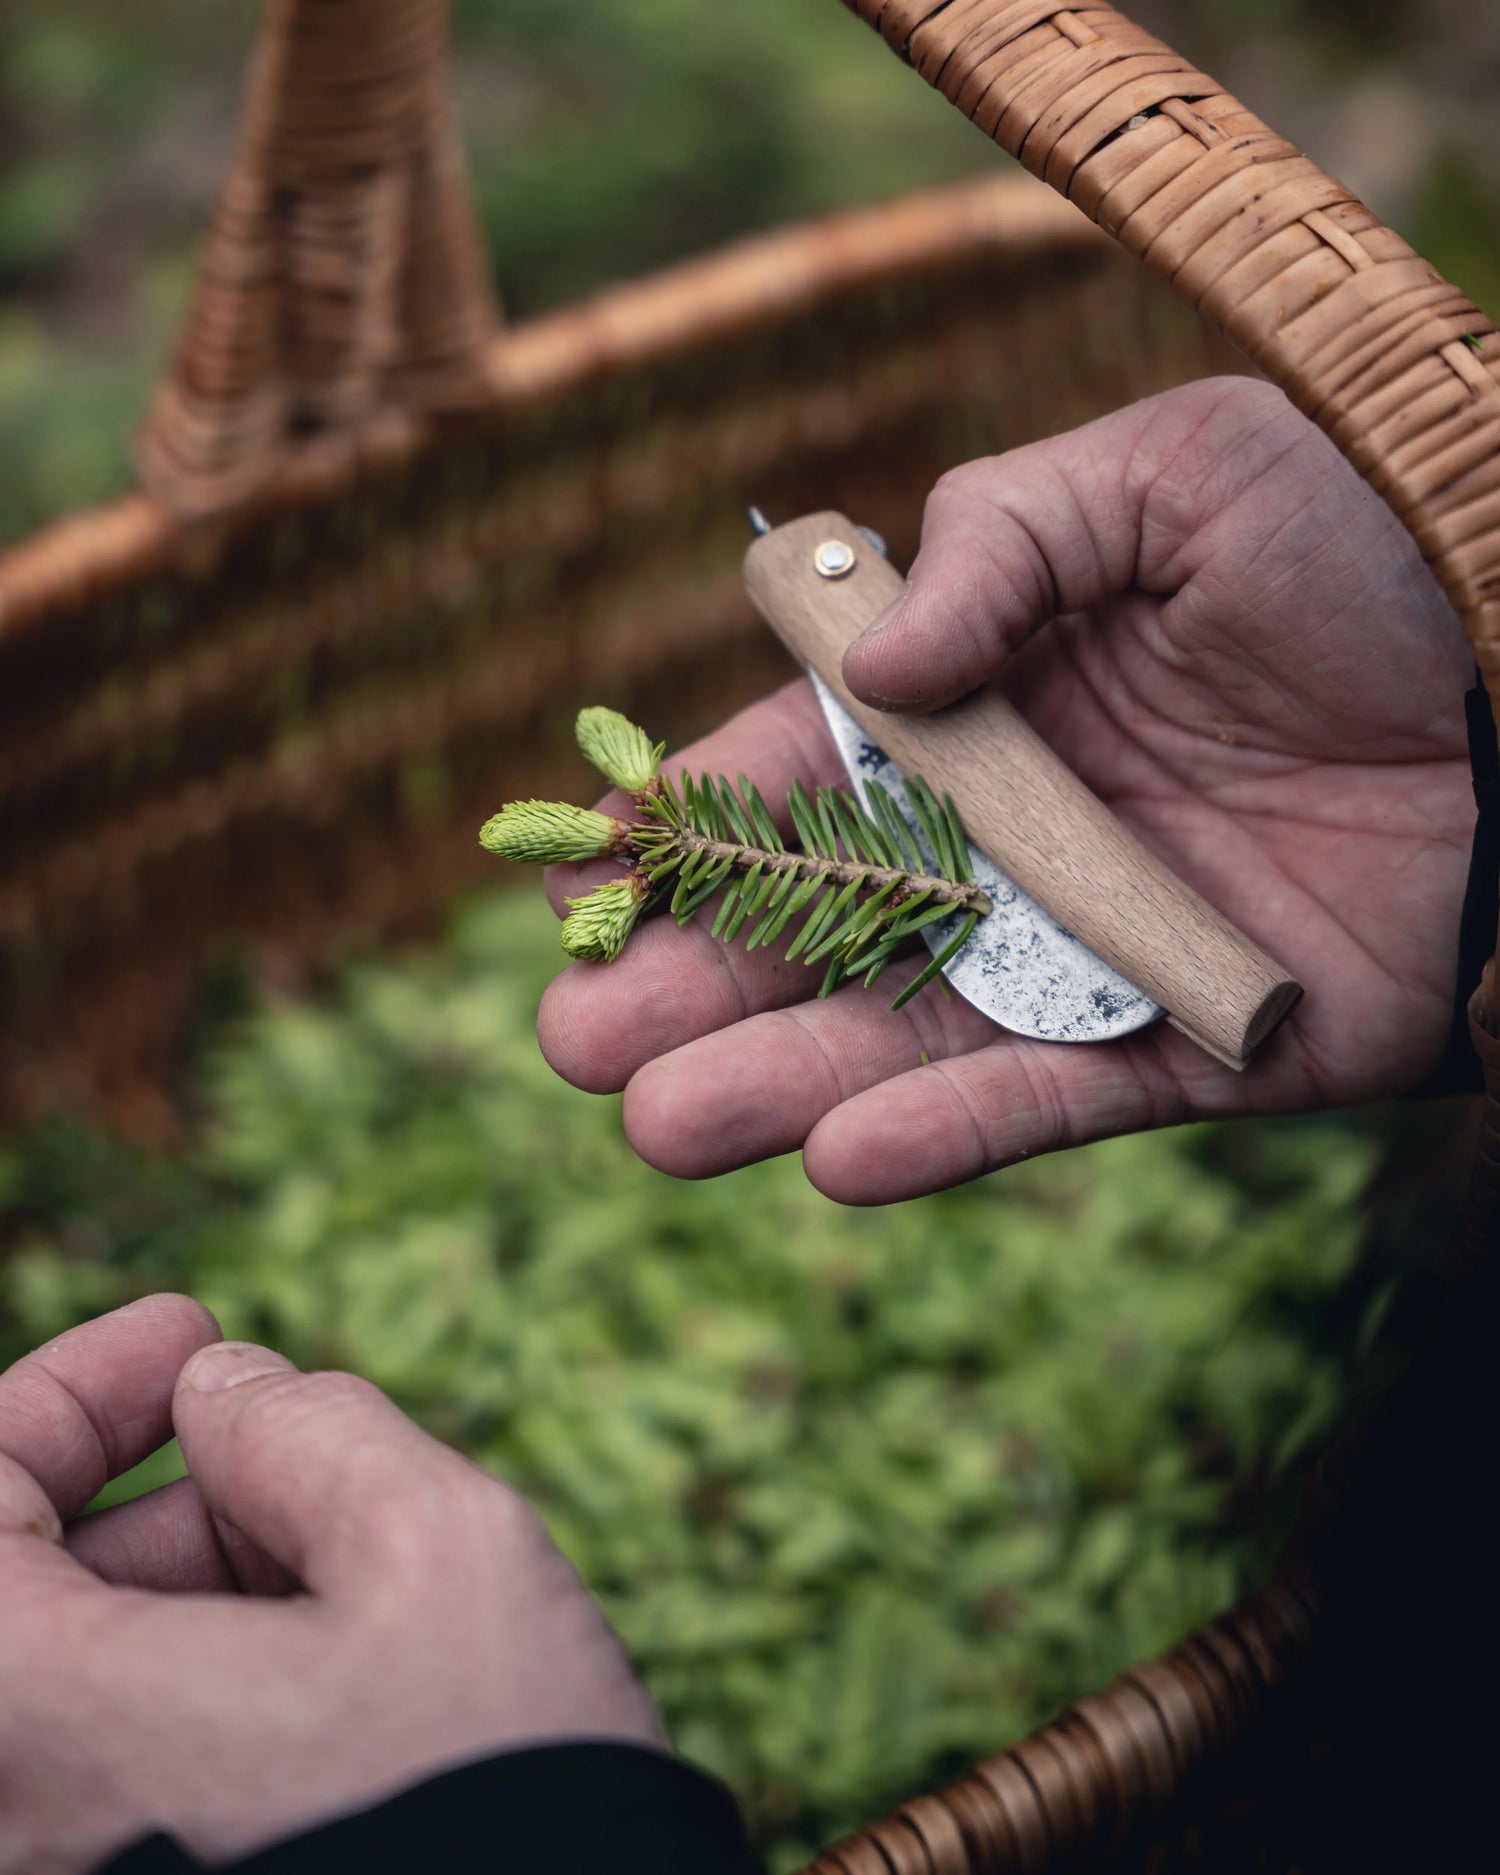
329, 1607
1223, 630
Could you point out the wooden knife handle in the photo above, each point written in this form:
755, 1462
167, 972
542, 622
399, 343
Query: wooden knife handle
1025, 807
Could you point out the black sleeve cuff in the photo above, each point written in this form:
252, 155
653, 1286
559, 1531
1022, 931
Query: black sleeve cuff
572, 1809
1459, 1072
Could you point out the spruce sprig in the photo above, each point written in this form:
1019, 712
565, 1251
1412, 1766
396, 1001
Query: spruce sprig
855, 877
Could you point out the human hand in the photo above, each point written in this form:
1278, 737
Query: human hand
1228, 636
330, 1606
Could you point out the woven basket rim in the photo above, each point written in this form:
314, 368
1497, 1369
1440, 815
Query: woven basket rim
694, 303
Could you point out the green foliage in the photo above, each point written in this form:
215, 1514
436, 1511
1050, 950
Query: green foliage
1458, 228
867, 1492
859, 877
549, 833
114, 118
625, 134
598, 924
863, 882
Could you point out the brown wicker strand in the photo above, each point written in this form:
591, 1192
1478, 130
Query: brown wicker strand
343, 273
216, 738
1365, 337
1098, 1780
1403, 372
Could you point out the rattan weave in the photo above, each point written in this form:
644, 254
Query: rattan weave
255, 711
1403, 372
342, 272
262, 704
1366, 338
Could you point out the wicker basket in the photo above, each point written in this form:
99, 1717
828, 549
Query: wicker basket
1315, 1726
261, 704
386, 548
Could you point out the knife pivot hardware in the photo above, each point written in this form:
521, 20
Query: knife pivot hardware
834, 559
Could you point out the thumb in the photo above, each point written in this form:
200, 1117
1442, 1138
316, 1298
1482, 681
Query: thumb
320, 1471
1012, 541
1008, 543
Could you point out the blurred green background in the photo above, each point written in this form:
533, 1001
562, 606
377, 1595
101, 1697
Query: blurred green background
610, 136
868, 1493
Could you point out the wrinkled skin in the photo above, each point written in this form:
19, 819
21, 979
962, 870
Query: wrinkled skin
1227, 635
329, 1607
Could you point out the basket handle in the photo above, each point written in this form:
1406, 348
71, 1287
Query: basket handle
342, 274
1403, 372
1367, 339
1398, 367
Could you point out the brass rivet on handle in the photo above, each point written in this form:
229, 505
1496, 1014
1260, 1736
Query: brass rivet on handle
833, 559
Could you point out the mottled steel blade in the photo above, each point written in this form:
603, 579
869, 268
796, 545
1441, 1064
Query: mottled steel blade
1020, 967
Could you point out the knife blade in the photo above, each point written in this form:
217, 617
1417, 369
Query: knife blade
1019, 967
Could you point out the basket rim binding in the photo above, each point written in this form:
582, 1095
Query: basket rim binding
1403, 372
374, 222
139, 535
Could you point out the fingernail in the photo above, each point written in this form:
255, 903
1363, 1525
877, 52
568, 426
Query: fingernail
47, 1525
230, 1364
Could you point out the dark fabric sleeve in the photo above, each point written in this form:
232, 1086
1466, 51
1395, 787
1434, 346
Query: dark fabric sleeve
1458, 1072
575, 1809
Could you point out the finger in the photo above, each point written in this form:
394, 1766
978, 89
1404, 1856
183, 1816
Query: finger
1013, 541
171, 1543
772, 741
320, 1471
98, 1400
599, 1023
25, 1508
32, 1557
960, 1118
729, 1100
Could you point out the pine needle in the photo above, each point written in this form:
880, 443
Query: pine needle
856, 872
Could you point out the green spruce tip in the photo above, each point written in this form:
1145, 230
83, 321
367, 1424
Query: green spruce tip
623, 753
854, 879
598, 924
551, 833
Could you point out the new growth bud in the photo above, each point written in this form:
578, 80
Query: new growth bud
849, 877
622, 753
599, 923
550, 833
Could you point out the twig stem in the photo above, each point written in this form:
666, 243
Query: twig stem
684, 840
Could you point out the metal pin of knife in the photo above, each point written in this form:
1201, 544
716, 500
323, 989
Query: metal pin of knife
1091, 936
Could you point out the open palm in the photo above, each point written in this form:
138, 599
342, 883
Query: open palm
1226, 634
